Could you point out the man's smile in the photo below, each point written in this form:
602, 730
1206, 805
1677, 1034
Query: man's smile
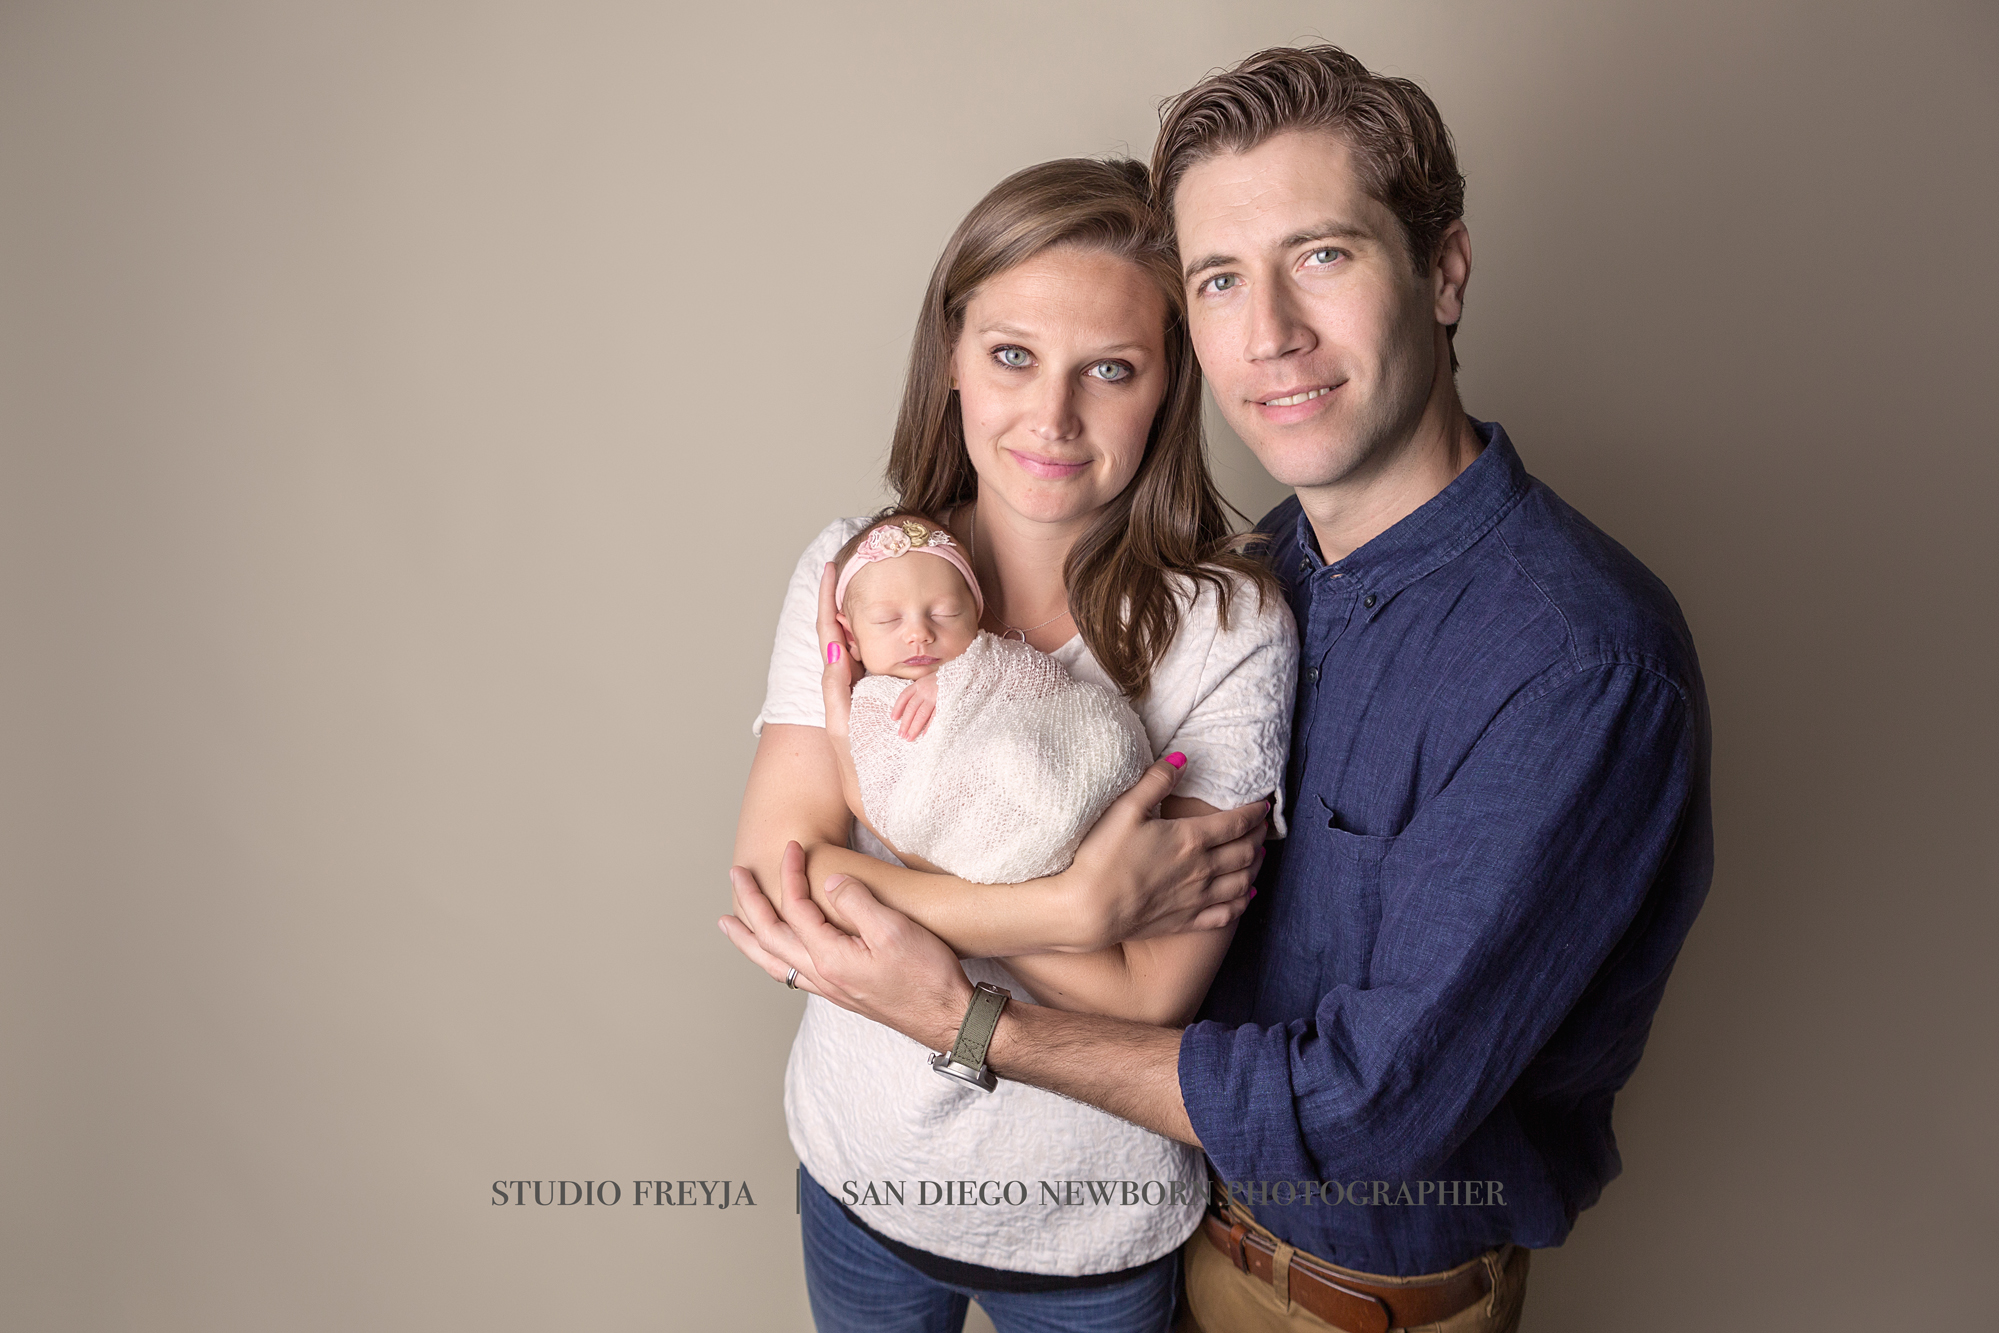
1296, 396
1295, 403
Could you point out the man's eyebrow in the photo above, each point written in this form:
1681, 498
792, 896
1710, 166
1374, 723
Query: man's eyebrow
1206, 262
1330, 230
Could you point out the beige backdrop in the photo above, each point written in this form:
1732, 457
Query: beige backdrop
411, 412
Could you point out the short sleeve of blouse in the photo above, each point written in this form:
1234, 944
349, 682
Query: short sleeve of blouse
792, 690
1234, 686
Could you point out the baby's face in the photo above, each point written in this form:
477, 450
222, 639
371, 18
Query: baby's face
910, 615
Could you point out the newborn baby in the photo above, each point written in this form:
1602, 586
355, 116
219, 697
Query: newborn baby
999, 761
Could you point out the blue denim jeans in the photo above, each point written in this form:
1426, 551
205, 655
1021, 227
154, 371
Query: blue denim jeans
859, 1287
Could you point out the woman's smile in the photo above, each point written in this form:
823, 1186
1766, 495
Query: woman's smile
1040, 465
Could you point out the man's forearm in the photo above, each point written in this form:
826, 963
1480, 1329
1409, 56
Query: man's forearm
1128, 1069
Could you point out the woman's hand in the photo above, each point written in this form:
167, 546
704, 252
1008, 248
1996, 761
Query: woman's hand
1137, 875
839, 669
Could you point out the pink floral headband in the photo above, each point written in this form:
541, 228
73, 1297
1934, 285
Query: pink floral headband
896, 539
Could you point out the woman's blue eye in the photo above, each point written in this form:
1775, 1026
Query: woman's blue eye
1015, 358
1111, 371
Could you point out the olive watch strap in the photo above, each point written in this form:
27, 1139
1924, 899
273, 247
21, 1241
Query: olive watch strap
966, 1060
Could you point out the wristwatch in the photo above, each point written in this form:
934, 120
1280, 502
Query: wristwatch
966, 1060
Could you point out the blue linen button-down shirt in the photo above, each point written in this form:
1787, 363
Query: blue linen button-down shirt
1500, 835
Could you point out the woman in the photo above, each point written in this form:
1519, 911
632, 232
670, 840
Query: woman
1052, 416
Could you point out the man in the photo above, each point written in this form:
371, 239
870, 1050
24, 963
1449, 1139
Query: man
1404, 1072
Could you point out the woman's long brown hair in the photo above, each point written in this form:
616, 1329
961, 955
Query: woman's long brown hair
1170, 520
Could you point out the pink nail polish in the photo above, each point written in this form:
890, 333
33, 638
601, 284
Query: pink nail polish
832, 653
1177, 759
1252, 893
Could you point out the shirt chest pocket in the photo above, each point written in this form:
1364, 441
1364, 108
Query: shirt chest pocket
1347, 868
1364, 849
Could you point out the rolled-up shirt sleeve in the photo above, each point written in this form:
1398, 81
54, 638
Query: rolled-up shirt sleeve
1500, 900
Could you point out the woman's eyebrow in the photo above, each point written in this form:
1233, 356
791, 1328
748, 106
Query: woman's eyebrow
1015, 331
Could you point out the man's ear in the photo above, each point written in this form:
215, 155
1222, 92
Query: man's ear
1450, 273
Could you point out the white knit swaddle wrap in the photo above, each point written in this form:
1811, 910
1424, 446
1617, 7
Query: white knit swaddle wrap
1018, 762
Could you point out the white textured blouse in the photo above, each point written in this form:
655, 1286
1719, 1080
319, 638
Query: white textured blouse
861, 1101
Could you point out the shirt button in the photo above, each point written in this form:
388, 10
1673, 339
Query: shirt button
1304, 564
1311, 675
1368, 601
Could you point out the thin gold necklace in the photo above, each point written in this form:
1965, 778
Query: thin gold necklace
972, 549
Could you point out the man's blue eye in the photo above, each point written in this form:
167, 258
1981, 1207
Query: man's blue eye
1221, 282
1013, 357
1325, 256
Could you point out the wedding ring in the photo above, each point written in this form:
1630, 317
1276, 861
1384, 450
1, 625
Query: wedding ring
792, 980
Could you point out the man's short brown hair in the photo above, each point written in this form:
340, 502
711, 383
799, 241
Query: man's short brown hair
1401, 149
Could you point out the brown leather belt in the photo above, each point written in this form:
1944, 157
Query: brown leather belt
1340, 1298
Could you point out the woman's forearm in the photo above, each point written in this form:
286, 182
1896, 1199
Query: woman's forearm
794, 794
976, 920
1158, 981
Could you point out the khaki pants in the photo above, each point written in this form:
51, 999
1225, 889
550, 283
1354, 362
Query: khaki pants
1224, 1299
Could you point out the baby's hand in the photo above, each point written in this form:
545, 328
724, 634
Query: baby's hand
914, 707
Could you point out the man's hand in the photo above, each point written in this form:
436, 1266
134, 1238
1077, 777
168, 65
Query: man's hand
900, 975
891, 969
1137, 875
914, 707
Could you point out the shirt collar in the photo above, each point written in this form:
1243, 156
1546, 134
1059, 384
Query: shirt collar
1438, 531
